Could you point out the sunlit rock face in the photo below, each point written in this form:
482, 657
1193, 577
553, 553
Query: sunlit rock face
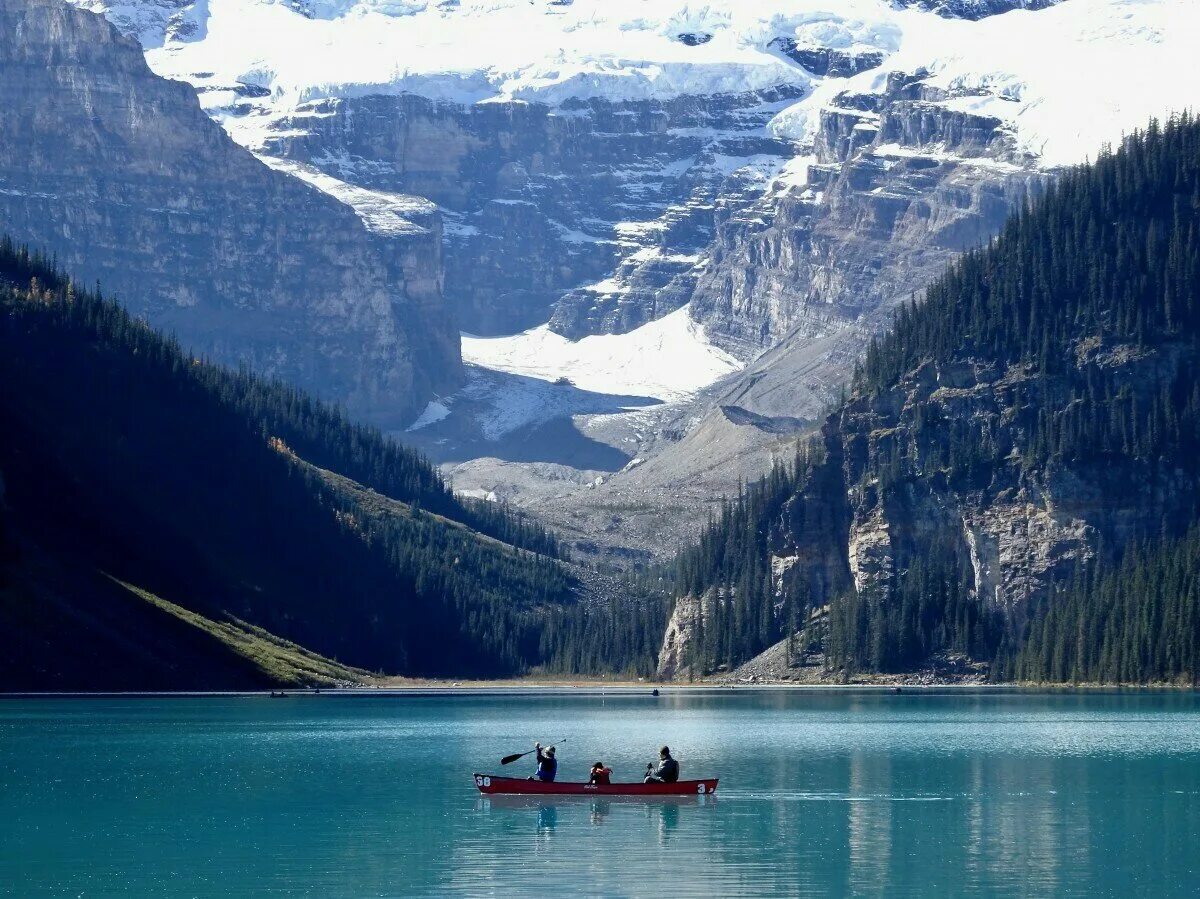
575, 213
121, 174
782, 168
897, 184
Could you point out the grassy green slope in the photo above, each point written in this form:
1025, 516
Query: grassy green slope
71, 629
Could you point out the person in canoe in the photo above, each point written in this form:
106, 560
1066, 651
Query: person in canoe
601, 774
547, 764
667, 771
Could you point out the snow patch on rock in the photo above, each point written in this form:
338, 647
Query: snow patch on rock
668, 359
434, 412
382, 212
1065, 80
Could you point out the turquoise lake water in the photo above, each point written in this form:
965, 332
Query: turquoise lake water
822, 793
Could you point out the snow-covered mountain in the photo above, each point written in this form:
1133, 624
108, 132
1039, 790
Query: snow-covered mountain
738, 184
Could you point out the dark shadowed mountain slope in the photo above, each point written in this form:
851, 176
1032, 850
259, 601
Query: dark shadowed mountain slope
168, 523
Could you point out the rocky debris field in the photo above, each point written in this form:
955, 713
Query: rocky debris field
775, 667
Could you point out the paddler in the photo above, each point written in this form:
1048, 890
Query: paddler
667, 771
547, 764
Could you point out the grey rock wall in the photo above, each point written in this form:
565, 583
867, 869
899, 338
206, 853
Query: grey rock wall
121, 174
580, 214
797, 281
899, 186
824, 61
974, 9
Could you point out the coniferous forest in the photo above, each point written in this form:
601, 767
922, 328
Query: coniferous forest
1086, 309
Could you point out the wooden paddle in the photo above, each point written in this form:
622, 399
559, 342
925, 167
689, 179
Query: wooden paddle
509, 759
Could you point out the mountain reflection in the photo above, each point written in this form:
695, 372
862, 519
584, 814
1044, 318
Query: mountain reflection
870, 824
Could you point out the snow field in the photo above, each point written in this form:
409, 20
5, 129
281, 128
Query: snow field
1067, 79
667, 359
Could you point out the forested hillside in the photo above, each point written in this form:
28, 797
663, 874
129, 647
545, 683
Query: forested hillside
1015, 477
158, 510
1129, 623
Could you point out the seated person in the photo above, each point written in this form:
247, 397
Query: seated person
667, 771
600, 774
547, 764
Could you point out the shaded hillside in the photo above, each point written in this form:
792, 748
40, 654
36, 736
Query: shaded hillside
127, 460
1035, 415
70, 628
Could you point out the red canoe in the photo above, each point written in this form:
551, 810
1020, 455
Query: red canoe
491, 785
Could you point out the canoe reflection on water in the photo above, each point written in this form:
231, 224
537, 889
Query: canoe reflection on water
665, 810
605, 802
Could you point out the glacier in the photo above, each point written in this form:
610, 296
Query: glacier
1067, 78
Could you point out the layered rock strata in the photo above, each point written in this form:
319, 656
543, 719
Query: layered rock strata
121, 175
579, 213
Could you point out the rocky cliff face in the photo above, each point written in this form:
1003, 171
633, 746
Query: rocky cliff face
122, 175
1017, 529
601, 216
799, 275
934, 466
578, 213
974, 9
682, 628
1017, 526
600, 210
899, 182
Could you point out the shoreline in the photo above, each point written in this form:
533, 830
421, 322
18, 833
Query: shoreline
594, 689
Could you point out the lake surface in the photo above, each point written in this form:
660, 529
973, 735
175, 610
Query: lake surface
822, 793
